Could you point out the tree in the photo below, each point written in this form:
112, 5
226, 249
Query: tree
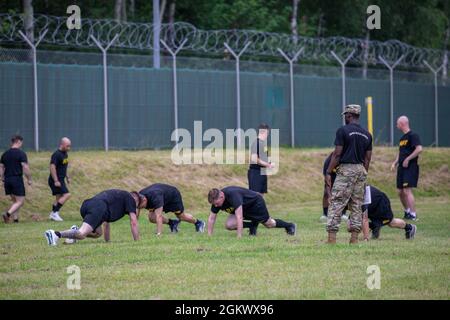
295, 5
28, 14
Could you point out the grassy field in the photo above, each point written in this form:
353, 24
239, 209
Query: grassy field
194, 266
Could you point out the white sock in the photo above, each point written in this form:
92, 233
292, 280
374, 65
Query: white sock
408, 210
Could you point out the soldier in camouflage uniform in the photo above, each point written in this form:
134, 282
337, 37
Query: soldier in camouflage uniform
352, 154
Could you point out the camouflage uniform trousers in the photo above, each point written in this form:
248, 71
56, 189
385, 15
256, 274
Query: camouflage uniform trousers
348, 188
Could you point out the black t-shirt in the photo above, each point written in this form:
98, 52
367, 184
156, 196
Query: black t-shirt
376, 197
355, 142
259, 147
61, 160
159, 194
119, 203
236, 197
377, 207
408, 143
12, 160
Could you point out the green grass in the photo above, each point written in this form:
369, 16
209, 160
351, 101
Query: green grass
195, 266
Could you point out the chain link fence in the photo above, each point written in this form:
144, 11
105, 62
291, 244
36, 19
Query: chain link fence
141, 99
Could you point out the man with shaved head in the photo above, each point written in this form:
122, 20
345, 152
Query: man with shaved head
407, 166
58, 176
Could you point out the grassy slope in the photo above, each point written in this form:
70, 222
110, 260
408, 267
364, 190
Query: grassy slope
189, 266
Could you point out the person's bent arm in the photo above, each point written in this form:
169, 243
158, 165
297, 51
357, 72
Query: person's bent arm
159, 220
27, 171
413, 155
367, 158
134, 226
334, 161
257, 160
54, 175
107, 231
2, 172
239, 220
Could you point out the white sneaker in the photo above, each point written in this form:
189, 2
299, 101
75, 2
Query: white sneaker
52, 238
344, 217
71, 241
55, 216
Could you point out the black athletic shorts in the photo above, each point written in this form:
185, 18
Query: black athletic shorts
258, 213
407, 177
57, 190
175, 205
14, 186
256, 181
92, 211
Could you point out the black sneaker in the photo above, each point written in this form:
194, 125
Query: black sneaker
253, 230
406, 215
409, 234
376, 232
200, 226
409, 216
292, 229
173, 225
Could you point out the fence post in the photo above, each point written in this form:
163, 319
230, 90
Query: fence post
105, 87
35, 84
391, 81
343, 63
175, 89
238, 87
436, 101
291, 77
156, 34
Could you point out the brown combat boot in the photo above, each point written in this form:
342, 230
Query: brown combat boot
331, 238
354, 238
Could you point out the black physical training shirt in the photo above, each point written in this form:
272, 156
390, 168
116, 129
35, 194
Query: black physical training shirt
61, 160
159, 194
355, 141
408, 143
374, 209
259, 147
119, 203
236, 197
12, 160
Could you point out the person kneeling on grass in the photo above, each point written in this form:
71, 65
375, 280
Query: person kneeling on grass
380, 214
166, 198
107, 206
243, 204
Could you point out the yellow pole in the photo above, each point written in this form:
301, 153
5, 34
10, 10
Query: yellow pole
369, 115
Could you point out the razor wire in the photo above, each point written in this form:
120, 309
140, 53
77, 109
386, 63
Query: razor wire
133, 35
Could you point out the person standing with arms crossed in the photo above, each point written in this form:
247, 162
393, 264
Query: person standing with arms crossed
13, 164
259, 161
352, 153
407, 167
57, 179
